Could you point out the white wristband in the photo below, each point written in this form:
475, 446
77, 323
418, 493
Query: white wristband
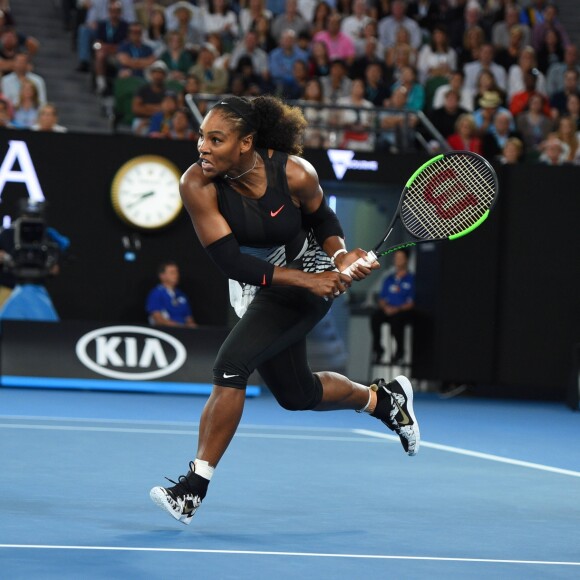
337, 253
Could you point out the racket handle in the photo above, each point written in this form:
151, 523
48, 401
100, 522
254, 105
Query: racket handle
366, 261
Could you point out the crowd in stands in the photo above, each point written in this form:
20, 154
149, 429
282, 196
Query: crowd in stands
498, 77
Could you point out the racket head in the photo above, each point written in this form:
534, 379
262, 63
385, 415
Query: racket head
449, 196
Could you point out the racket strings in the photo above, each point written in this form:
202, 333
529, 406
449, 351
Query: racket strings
448, 197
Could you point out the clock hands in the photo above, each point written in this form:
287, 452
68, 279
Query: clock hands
140, 199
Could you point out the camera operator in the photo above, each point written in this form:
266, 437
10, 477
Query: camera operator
29, 253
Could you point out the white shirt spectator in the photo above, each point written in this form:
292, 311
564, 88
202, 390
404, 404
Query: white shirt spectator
465, 102
515, 82
388, 27
428, 60
472, 70
99, 10
11, 84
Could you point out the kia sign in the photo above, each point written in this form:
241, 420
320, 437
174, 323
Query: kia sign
131, 353
343, 159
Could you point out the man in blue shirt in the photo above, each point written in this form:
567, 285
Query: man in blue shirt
396, 303
166, 304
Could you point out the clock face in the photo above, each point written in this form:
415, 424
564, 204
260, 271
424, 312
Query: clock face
145, 192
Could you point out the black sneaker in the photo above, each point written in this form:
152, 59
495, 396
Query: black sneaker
183, 499
395, 409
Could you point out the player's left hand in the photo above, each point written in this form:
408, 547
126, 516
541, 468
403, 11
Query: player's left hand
360, 271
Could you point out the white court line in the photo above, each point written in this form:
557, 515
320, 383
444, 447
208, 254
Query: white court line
289, 554
477, 454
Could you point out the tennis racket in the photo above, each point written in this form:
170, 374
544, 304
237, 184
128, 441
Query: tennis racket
448, 197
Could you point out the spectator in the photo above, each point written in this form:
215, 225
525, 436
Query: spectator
156, 32
533, 124
244, 81
248, 46
445, 117
354, 24
376, 89
551, 50
339, 45
11, 44
520, 100
26, 113
567, 133
357, 124
147, 100
262, 27
5, 123
526, 62
551, 22
250, 13
177, 58
396, 304
319, 61
465, 137
500, 32
470, 50
573, 109
370, 55
489, 106
282, 60
213, 79
48, 120
146, 9
485, 62
166, 304
320, 18
402, 42
559, 100
160, 122
473, 19
513, 151
12, 82
437, 58
456, 82
425, 13
500, 133
415, 90
485, 83
290, 19
222, 20
533, 14
191, 87
100, 11
509, 55
295, 89
336, 84
110, 34
556, 71
188, 20
133, 56
180, 127
316, 133
389, 25
398, 126
554, 152
370, 32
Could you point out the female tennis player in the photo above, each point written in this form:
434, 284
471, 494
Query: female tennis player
259, 211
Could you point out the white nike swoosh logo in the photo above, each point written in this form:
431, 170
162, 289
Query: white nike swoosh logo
226, 376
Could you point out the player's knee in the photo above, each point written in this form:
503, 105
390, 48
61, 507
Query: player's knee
301, 400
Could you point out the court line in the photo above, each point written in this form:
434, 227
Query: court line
479, 455
289, 554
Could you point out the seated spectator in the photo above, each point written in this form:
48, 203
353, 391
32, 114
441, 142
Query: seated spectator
554, 152
398, 126
282, 60
26, 113
370, 31
509, 55
12, 82
133, 55
499, 134
354, 24
445, 117
426, 14
110, 34
550, 22
526, 62
573, 109
156, 32
485, 62
320, 17
316, 133
251, 12
213, 79
340, 46
465, 137
556, 71
551, 50
500, 32
160, 122
191, 87
376, 89
456, 82
48, 120
533, 124
415, 90
559, 99
180, 126
389, 25
295, 88
520, 100
290, 19
532, 14
361, 62
485, 83
357, 125
261, 27
166, 304
318, 60
187, 19
248, 47
336, 84
437, 58
177, 58
402, 43
470, 49
568, 134
245, 82
147, 100
11, 43
221, 19
145, 11
5, 118
513, 152
489, 107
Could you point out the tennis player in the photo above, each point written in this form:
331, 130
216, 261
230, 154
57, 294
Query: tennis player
259, 211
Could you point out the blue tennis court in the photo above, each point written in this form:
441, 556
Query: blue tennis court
494, 491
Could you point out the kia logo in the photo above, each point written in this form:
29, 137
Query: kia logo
130, 353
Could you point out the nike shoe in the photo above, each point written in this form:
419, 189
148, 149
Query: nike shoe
395, 409
183, 499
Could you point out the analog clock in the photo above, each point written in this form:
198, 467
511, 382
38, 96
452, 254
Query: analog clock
145, 192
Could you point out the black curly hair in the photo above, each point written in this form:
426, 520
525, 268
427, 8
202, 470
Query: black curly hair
275, 124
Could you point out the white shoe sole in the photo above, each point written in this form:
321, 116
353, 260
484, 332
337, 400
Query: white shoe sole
159, 496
